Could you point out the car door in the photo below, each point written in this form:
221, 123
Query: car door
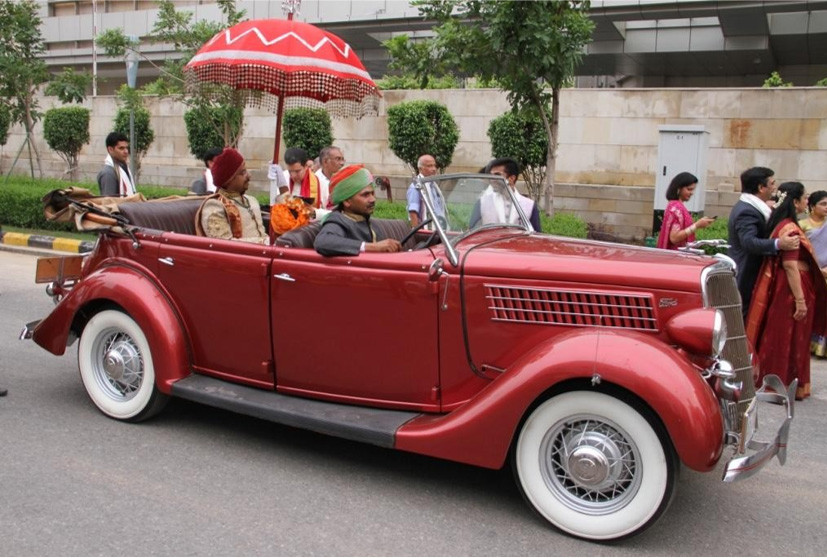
221, 291
359, 329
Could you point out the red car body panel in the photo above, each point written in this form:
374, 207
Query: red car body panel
481, 431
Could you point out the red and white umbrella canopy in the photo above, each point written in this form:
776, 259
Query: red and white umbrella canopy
280, 59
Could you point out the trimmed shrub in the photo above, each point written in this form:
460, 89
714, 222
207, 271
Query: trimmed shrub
419, 127
521, 136
308, 128
209, 127
66, 130
564, 224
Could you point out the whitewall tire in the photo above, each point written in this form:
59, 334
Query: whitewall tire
593, 466
117, 369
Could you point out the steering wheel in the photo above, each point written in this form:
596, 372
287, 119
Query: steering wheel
415, 230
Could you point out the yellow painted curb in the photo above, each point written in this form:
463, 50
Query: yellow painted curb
66, 244
16, 239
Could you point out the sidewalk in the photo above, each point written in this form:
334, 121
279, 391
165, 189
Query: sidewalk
30, 243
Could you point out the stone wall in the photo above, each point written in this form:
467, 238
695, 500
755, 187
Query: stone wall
606, 160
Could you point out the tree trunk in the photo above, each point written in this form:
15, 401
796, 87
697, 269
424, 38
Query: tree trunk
551, 157
29, 125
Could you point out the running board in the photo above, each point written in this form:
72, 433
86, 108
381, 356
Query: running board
361, 424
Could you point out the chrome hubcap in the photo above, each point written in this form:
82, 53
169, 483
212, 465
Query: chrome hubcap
590, 464
120, 368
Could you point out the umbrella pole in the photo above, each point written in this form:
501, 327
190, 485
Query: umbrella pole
278, 130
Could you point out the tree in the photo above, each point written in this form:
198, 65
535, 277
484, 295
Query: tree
66, 130
22, 71
419, 127
522, 136
70, 86
308, 128
177, 27
528, 47
5, 123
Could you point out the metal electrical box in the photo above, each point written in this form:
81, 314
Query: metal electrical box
680, 148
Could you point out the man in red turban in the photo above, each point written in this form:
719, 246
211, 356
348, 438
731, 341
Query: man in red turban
230, 213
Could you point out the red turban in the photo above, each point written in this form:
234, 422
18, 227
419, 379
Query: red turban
225, 166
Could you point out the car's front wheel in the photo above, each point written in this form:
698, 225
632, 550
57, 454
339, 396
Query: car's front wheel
117, 369
594, 466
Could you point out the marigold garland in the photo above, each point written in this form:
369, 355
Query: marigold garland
288, 215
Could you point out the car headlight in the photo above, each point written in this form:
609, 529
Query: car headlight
701, 331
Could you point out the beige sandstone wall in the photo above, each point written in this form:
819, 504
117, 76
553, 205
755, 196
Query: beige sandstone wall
608, 143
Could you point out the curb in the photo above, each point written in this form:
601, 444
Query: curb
45, 242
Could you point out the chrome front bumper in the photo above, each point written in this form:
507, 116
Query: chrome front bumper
744, 465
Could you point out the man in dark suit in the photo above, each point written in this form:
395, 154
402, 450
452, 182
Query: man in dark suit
748, 235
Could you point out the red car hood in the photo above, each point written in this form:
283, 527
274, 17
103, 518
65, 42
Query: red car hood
543, 257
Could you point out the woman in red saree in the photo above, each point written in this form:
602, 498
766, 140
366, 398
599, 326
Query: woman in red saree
782, 315
677, 228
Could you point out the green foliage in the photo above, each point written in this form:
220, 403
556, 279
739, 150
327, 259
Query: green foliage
522, 136
5, 124
206, 127
822, 82
419, 127
390, 210
407, 81
416, 59
66, 131
70, 86
775, 81
564, 224
21, 68
114, 42
308, 128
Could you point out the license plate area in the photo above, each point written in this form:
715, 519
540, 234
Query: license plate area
59, 269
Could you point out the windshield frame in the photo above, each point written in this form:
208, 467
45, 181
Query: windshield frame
437, 224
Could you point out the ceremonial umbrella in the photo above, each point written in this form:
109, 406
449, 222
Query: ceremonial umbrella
268, 61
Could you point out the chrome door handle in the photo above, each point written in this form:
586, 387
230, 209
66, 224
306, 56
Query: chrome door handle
284, 277
168, 261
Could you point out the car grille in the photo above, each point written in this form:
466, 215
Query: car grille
721, 292
571, 307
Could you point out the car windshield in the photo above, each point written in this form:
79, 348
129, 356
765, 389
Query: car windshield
467, 202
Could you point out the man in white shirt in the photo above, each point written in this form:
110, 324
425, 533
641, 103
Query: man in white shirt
331, 160
417, 211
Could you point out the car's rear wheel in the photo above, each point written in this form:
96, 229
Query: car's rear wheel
594, 466
117, 369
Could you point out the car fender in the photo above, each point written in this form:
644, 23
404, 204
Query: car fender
138, 295
480, 432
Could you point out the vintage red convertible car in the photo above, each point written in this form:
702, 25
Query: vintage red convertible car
596, 368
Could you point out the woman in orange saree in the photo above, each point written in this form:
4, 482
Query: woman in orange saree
790, 287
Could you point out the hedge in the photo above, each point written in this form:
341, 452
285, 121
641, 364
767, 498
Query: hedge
20, 206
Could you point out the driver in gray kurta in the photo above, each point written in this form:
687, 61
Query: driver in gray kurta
347, 231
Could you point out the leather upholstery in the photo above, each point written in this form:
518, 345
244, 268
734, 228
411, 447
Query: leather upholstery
174, 216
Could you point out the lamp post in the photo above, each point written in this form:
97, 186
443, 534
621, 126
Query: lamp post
131, 80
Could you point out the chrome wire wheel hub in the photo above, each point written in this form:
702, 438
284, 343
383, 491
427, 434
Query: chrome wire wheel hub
590, 464
119, 366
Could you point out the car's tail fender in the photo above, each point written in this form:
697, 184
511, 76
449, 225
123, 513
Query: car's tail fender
481, 431
137, 294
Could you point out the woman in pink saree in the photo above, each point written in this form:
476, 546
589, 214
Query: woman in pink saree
678, 228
